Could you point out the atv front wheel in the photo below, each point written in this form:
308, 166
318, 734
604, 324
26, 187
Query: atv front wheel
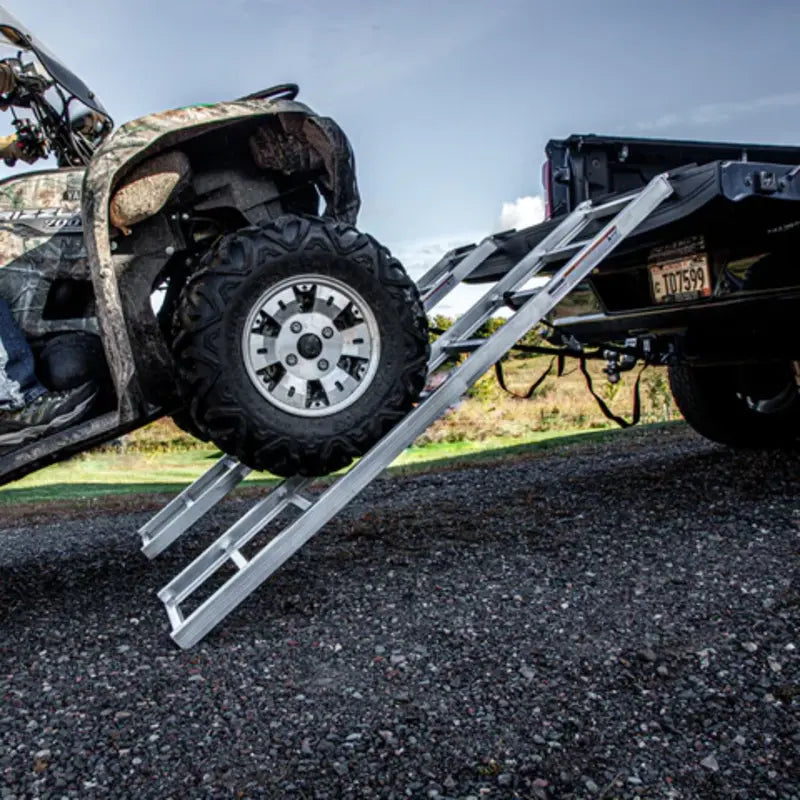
300, 344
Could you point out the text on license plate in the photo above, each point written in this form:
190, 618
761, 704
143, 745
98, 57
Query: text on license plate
682, 279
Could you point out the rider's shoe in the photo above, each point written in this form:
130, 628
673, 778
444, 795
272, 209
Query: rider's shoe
46, 413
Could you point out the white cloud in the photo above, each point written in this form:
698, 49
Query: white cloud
419, 255
521, 213
714, 113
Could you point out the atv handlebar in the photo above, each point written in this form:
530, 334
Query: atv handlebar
30, 141
28, 83
72, 139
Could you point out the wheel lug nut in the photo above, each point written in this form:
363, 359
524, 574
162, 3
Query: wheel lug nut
291, 359
296, 327
327, 333
323, 365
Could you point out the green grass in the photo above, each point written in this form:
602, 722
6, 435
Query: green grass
487, 426
108, 474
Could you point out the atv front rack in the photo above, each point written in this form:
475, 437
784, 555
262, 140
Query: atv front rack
250, 571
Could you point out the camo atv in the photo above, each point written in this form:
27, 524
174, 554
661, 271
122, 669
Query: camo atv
282, 333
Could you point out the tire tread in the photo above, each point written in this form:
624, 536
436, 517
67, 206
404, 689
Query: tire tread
198, 345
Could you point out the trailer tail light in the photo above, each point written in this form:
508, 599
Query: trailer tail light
547, 183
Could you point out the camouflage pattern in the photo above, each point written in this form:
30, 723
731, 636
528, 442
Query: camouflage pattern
126, 148
48, 189
40, 239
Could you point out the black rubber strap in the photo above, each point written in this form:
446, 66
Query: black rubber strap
498, 371
637, 404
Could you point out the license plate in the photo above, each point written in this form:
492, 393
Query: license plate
682, 279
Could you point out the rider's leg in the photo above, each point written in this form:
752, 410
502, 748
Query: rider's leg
27, 409
19, 385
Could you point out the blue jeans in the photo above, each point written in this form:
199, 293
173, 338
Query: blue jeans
19, 385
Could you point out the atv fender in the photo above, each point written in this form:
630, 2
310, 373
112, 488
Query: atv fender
145, 138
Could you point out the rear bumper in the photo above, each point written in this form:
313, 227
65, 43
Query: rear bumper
772, 310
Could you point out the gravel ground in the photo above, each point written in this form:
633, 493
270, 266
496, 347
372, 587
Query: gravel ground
601, 620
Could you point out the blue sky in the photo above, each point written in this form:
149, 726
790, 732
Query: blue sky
449, 104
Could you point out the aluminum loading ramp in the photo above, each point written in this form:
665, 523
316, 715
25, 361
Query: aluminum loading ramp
624, 215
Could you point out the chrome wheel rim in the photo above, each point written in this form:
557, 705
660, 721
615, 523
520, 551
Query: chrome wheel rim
311, 345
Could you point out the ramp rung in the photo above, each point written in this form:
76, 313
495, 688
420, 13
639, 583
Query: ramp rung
561, 253
611, 206
174, 615
515, 300
436, 290
191, 504
464, 346
236, 537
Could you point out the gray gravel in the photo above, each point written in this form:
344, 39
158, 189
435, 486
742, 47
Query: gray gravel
603, 620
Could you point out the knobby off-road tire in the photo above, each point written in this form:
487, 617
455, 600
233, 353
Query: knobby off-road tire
740, 407
183, 419
170, 327
300, 344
